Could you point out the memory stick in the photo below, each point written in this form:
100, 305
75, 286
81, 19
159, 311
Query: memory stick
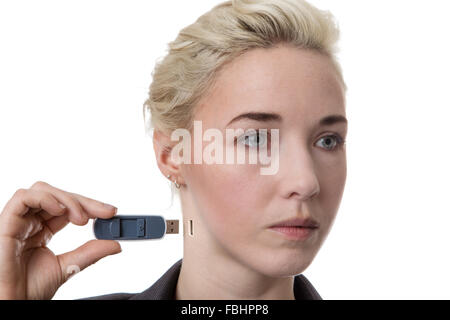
134, 227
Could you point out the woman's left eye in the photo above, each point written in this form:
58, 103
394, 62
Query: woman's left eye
332, 142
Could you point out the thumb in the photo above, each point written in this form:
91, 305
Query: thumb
76, 260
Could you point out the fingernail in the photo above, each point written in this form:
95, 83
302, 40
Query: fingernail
109, 207
62, 206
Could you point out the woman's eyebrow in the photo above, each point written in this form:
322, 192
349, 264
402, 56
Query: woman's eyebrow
266, 117
258, 116
332, 119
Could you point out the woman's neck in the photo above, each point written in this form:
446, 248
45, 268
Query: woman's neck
220, 279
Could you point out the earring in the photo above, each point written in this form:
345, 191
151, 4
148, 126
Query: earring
176, 182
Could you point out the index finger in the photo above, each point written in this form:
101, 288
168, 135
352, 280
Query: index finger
95, 208
89, 207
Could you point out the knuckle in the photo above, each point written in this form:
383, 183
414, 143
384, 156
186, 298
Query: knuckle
90, 242
20, 192
77, 210
39, 184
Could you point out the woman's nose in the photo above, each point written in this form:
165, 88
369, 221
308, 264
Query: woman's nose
297, 174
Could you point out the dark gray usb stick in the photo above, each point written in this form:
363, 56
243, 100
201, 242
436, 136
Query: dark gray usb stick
137, 227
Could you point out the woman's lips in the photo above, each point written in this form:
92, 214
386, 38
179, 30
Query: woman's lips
294, 233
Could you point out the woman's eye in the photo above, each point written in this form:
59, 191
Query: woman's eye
332, 142
254, 140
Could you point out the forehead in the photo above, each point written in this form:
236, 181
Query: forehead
290, 81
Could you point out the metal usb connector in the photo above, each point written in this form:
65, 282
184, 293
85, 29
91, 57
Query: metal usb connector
172, 226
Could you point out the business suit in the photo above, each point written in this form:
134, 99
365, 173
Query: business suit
164, 288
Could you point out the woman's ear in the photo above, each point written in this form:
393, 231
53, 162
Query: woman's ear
162, 145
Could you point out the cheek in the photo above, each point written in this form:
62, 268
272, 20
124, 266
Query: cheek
227, 198
332, 181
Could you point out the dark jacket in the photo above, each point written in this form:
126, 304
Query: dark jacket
164, 288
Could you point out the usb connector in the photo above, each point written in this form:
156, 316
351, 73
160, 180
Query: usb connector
172, 226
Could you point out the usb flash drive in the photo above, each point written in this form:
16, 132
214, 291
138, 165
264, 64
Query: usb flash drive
137, 227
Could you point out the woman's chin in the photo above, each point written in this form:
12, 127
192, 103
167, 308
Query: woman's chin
284, 266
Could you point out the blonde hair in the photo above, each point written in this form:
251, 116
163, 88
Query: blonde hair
228, 30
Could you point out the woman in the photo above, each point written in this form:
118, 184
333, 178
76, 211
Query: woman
243, 65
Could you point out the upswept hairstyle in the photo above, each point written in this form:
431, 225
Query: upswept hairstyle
228, 30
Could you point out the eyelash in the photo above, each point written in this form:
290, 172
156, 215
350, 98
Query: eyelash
339, 140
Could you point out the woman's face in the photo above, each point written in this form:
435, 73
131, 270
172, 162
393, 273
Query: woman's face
234, 203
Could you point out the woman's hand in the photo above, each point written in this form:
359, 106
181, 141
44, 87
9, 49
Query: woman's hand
30, 270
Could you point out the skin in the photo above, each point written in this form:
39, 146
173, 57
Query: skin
29, 270
233, 254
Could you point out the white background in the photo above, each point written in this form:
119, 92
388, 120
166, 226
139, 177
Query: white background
74, 76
